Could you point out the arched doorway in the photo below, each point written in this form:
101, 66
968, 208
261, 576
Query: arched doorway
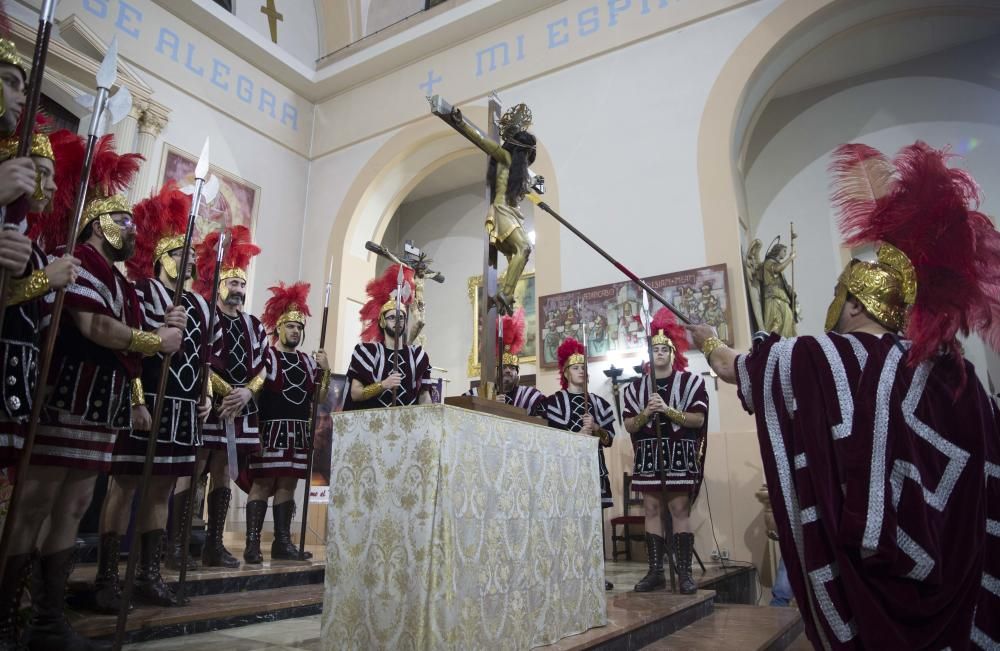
407, 158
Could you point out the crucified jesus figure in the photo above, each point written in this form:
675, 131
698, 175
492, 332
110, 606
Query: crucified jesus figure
509, 180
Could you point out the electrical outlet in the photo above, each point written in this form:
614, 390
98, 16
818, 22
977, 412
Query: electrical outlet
715, 554
725, 554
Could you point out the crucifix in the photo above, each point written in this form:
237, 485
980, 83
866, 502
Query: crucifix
510, 149
417, 260
273, 17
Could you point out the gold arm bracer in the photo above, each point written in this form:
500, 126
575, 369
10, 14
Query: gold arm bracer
256, 384
30, 287
219, 387
710, 346
138, 396
147, 343
603, 435
676, 415
371, 390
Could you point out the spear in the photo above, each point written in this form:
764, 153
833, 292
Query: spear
200, 173
537, 200
317, 399
586, 360
206, 371
668, 524
34, 89
105, 78
395, 334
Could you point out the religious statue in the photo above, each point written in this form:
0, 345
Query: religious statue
772, 298
509, 180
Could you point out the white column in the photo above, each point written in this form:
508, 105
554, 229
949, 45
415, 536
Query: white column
125, 131
150, 125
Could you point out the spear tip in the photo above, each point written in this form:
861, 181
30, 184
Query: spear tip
109, 66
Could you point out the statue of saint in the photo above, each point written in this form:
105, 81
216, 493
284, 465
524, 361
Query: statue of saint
776, 307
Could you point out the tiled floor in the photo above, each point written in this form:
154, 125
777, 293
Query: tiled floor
301, 634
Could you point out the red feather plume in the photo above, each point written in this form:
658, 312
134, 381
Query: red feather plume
240, 249
665, 320
567, 348
111, 172
928, 211
162, 215
380, 290
514, 332
283, 297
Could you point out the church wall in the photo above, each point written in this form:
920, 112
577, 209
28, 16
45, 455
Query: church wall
788, 178
632, 187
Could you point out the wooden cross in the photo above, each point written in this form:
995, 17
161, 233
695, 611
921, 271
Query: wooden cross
273, 17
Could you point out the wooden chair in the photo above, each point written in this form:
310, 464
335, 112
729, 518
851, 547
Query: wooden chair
633, 526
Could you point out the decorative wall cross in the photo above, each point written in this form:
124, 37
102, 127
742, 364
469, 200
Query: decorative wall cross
273, 17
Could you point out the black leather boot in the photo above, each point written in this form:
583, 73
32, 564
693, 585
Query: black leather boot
256, 510
684, 544
181, 515
654, 579
49, 629
149, 584
282, 547
215, 553
15, 578
107, 584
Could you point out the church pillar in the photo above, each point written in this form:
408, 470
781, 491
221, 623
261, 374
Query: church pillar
150, 125
125, 131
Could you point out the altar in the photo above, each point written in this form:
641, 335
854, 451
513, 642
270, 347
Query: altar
453, 529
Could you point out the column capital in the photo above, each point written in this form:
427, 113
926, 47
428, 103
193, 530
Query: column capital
152, 122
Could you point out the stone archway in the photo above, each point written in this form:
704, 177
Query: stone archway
408, 157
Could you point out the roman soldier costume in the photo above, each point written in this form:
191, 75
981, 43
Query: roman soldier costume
161, 222
527, 398
882, 452
238, 361
565, 411
286, 404
19, 344
373, 361
681, 465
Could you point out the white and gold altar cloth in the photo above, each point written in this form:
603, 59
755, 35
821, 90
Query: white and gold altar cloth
452, 529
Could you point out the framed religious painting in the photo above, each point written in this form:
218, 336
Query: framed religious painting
319, 488
611, 314
524, 296
236, 204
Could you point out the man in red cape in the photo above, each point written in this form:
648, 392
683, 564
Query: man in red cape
880, 446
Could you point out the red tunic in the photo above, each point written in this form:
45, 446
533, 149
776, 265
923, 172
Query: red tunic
876, 473
89, 387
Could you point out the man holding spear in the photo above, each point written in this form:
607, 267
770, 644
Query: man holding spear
286, 408
669, 454
237, 378
384, 370
161, 221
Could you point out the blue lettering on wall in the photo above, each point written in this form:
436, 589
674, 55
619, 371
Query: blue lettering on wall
290, 114
428, 86
128, 19
492, 51
217, 68
589, 20
244, 89
189, 64
556, 36
127, 15
97, 7
616, 7
166, 40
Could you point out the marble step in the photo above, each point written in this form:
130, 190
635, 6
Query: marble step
206, 613
635, 619
732, 626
